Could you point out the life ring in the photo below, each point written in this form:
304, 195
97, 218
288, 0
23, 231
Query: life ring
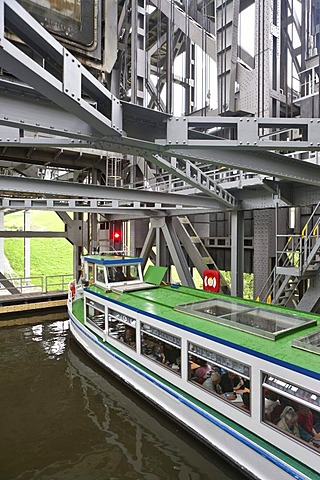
72, 289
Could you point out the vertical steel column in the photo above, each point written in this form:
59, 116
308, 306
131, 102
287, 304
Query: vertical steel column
264, 247
190, 65
267, 55
138, 52
93, 219
2, 265
227, 15
237, 253
26, 244
138, 82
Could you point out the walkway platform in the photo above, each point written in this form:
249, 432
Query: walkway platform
32, 308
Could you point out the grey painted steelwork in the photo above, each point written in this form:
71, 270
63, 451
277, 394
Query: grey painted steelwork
68, 190
74, 108
134, 208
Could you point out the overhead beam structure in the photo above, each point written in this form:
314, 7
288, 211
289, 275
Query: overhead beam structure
98, 114
68, 189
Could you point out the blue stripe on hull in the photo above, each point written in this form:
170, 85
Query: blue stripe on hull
198, 410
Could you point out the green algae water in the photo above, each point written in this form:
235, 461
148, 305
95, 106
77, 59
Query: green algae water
63, 417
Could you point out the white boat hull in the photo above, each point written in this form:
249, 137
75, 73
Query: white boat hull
244, 453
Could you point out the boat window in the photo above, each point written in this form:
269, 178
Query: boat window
100, 274
91, 273
220, 375
122, 273
95, 314
162, 347
247, 317
293, 410
122, 327
310, 342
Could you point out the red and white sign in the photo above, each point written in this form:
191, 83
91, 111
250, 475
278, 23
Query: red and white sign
211, 280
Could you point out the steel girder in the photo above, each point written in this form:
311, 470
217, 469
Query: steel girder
67, 190
125, 209
100, 116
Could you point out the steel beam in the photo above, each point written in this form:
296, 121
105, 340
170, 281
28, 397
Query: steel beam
266, 163
33, 113
67, 189
68, 93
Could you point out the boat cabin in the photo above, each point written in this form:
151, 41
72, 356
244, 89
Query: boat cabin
120, 274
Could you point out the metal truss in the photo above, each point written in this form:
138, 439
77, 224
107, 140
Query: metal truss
67, 190
85, 111
124, 209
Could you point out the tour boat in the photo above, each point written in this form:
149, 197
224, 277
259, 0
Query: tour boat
242, 376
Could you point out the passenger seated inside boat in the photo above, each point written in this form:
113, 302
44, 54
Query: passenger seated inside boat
271, 401
289, 421
308, 429
213, 382
201, 373
119, 276
246, 401
171, 354
230, 381
129, 336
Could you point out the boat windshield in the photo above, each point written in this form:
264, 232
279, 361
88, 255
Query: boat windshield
122, 273
246, 317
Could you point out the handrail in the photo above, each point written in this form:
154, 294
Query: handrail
37, 284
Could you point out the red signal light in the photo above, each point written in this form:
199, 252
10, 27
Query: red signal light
117, 236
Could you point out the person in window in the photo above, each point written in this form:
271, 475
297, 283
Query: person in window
201, 372
129, 336
289, 422
308, 430
230, 381
158, 353
271, 401
119, 276
213, 383
170, 353
246, 401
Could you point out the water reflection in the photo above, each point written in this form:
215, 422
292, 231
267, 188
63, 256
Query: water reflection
66, 418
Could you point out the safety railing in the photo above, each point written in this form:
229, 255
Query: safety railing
36, 284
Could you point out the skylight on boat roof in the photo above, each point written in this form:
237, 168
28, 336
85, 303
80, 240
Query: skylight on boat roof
310, 342
257, 320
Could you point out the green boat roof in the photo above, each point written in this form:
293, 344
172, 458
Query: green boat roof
161, 302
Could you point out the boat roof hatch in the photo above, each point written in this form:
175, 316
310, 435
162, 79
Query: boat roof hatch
310, 342
155, 274
258, 320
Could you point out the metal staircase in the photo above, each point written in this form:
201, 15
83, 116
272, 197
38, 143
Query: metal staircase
195, 177
292, 279
195, 248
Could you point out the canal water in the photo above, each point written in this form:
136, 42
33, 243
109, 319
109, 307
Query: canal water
65, 418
